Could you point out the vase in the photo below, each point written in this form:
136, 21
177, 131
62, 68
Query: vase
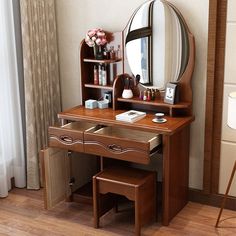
97, 50
127, 93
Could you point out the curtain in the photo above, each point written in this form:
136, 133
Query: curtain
12, 159
41, 79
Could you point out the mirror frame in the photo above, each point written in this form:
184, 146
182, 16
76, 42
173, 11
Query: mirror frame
184, 82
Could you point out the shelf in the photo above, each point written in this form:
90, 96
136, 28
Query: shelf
105, 61
159, 103
108, 87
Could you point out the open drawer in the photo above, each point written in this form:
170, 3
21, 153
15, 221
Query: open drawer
121, 143
69, 136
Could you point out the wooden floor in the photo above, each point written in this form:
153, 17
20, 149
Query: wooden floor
22, 214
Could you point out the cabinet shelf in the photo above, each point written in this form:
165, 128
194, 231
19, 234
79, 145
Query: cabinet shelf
107, 87
159, 103
102, 61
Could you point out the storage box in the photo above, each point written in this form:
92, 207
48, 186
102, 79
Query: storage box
91, 104
103, 104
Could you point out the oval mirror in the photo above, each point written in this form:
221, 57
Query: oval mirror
156, 44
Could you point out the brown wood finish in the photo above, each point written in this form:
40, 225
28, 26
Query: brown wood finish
107, 117
126, 147
175, 173
214, 93
137, 185
56, 176
175, 131
175, 150
69, 136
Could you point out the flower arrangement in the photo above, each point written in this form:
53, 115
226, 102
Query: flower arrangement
95, 37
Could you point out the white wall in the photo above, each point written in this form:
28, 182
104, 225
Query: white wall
228, 139
75, 17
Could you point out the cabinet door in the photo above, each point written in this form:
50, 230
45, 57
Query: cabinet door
56, 176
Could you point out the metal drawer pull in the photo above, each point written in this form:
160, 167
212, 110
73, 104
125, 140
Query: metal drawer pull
115, 148
66, 139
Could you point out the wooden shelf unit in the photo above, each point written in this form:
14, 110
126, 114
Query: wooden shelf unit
107, 87
102, 61
87, 61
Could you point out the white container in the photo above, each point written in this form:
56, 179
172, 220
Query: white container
127, 93
103, 104
91, 104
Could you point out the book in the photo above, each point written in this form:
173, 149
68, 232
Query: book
131, 116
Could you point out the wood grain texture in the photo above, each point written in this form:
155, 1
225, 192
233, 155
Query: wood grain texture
214, 93
23, 214
107, 117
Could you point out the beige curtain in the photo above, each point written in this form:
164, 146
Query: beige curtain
41, 79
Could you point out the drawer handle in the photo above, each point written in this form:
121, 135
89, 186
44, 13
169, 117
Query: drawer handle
66, 139
115, 148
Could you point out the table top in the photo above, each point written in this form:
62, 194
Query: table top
108, 117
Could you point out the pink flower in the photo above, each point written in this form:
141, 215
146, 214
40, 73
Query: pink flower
95, 36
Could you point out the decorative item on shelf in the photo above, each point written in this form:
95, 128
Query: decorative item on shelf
102, 104
171, 93
91, 104
232, 124
112, 53
159, 118
127, 92
96, 38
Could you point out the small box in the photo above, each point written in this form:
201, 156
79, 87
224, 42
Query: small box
91, 104
103, 104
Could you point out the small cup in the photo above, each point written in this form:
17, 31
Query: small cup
159, 116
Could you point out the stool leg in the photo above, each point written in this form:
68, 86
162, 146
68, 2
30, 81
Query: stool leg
95, 203
226, 194
137, 211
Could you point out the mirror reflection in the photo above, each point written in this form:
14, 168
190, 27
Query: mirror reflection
156, 44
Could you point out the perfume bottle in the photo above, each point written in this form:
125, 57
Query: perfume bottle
100, 75
148, 95
144, 95
112, 53
118, 52
104, 76
95, 75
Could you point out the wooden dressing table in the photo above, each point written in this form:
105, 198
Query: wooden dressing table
175, 149
97, 131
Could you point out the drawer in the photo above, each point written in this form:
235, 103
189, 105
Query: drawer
69, 136
120, 143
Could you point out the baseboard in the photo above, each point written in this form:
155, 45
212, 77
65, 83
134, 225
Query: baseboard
199, 196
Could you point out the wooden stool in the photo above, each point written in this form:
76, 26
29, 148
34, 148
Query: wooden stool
137, 185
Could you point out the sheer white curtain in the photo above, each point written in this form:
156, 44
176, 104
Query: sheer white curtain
12, 160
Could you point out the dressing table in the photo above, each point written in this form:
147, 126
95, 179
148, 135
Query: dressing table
97, 132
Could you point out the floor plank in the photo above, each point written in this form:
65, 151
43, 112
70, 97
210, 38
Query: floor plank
22, 214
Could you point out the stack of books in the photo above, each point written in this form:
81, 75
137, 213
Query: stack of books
131, 116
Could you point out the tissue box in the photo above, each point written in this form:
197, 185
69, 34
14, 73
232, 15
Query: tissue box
91, 104
103, 104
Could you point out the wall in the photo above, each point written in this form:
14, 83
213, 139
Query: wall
228, 138
75, 17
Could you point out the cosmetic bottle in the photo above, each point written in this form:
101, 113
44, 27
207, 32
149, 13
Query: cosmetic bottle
140, 95
100, 75
144, 95
153, 95
118, 52
95, 75
105, 53
148, 95
112, 53
104, 76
